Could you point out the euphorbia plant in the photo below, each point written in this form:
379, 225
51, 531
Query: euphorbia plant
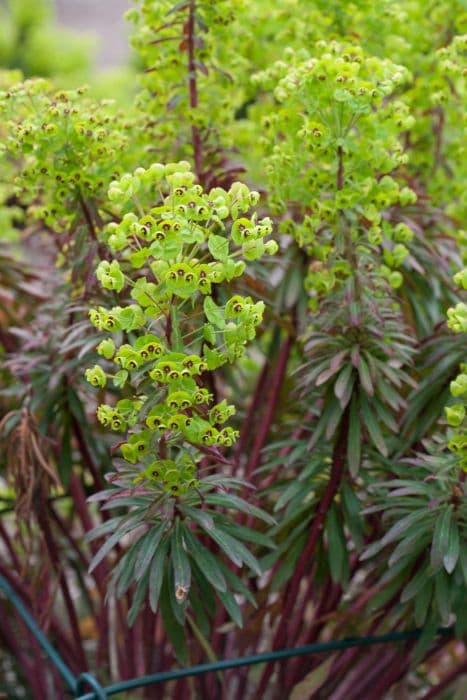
172, 249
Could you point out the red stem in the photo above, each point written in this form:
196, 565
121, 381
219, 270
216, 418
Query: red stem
337, 470
446, 682
330, 597
265, 424
68, 600
193, 88
7, 540
245, 432
379, 683
19, 653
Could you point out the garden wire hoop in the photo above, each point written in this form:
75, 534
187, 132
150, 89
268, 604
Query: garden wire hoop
87, 687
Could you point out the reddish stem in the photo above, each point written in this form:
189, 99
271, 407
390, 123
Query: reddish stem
67, 598
245, 432
193, 88
446, 682
331, 594
265, 424
19, 653
337, 470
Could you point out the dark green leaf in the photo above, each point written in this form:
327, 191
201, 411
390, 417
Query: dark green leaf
354, 443
156, 575
230, 604
415, 584
372, 426
337, 546
180, 563
237, 503
451, 555
174, 629
206, 561
138, 599
148, 549
440, 542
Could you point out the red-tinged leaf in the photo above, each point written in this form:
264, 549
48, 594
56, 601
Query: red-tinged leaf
365, 377
344, 384
355, 355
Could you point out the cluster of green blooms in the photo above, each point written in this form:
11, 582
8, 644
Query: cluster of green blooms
456, 413
168, 260
69, 146
339, 143
409, 34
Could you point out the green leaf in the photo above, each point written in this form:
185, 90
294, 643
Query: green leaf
365, 377
213, 313
413, 541
120, 378
235, 550
218, 247
333, 417
236, 584
201, 517
451, 555
156, 575
149, 545
442, 596
111, 542
463, 563
373, 427
441, 533
352, 513
180, 563
395, 532
422, 603
354, 442
124, 573
138, 599
174, 629
415, 584
344, 385
239, 504
248, 535
206, 561
230, 604
337, 547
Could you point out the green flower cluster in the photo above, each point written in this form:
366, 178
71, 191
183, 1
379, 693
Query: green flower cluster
68, 145
339, 143
173, 244
456, 414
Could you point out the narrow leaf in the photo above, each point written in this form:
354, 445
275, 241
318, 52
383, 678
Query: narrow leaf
439, 547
